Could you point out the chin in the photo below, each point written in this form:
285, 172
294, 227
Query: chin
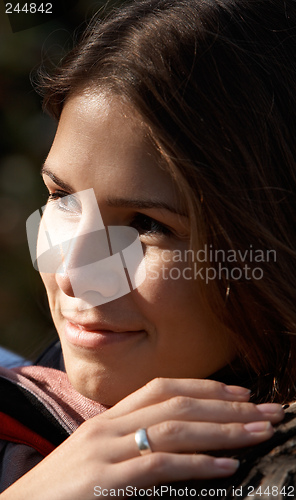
97, 384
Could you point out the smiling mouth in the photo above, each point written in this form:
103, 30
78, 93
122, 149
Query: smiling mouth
92, 336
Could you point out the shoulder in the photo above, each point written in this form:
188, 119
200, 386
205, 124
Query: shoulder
15, 460
9, 359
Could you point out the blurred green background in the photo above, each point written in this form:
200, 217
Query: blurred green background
26, 135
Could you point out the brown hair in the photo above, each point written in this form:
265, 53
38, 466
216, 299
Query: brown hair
215, 81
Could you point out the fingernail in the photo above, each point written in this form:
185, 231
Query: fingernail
238, 391
254, 427
270, 408
229, 464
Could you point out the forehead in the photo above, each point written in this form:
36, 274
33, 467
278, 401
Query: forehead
108, 124
100, 137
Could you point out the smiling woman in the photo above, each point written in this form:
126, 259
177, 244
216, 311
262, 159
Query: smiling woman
108, 150
162, 135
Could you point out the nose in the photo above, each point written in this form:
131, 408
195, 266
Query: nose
88, 272
96, 283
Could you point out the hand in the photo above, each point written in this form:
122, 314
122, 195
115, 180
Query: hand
184, 419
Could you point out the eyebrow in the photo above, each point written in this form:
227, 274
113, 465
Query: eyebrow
117, 202
142, 204
55, 179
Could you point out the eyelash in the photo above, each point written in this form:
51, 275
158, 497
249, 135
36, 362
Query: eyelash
146, 225
59, 195
56, 195
143, 223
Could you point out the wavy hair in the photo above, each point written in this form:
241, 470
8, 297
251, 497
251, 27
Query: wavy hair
215, 80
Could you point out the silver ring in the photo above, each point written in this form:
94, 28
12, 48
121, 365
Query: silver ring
142, 441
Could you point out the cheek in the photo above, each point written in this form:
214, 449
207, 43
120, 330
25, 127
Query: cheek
169, 287
180, 319
51, 287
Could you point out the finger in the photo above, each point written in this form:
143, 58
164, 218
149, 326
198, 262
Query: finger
190, 409
160, 389
159, 468
183, 437
191, 437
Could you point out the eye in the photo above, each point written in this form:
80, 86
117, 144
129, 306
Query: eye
65, 202
146, 225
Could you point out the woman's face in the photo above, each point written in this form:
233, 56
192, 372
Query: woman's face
159, 329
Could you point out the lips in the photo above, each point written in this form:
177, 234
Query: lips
97, 334
99, 325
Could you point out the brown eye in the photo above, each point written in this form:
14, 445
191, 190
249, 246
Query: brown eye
146, 225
